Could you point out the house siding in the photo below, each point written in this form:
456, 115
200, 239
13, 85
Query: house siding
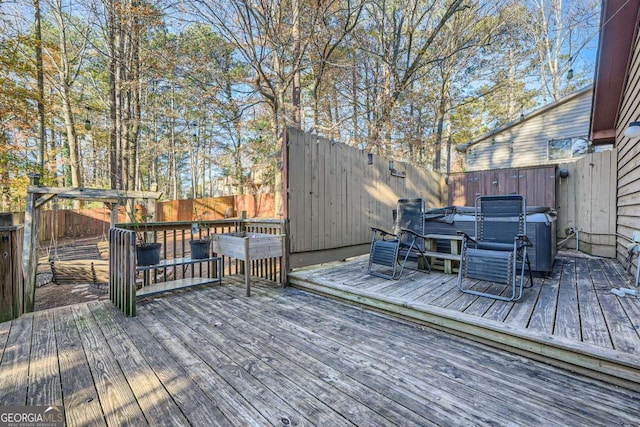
525, 144
628, 165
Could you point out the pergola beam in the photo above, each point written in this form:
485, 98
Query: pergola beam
38, 196
93, 194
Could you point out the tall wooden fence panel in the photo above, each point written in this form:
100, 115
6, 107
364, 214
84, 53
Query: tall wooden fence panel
584, 200
587, 202
538, 185
11, 275
335, 196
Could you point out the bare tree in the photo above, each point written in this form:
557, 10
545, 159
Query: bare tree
559, 31
407, 35
67, 60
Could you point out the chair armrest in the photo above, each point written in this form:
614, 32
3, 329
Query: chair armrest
524, 239
383, 233
465, 236
406, 230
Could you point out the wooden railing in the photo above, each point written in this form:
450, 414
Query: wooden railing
11, 276
174, 237
122, 270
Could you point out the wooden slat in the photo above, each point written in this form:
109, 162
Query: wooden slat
116, 398
442, 368
44, 372
594, 328
5, 327
14, 367
567, 318
214, 357
197, 404
240, 388
624, 338
283, 382
155, 402
379, 376
537, 314
82, 405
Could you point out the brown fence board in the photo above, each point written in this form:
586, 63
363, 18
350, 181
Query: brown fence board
335, 196
536, 184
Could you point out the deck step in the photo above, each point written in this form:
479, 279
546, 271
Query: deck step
609, 365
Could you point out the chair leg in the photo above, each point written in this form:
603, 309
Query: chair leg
530, 273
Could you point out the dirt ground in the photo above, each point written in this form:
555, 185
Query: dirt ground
52, 295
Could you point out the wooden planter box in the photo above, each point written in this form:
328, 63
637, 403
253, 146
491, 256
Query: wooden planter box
247, 247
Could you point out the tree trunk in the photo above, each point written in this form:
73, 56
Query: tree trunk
42, 132
297, 78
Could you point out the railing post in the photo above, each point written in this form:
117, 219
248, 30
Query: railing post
11, 276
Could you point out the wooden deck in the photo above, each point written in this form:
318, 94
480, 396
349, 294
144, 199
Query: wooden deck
569, 318
284, 357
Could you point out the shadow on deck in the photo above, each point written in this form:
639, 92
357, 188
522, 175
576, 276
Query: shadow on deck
569, 319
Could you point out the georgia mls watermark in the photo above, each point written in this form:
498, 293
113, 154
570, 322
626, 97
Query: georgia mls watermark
31, 416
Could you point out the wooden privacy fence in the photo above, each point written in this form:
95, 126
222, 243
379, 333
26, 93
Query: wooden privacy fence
587, 203
538, 185
210, 208
584, 200
11, 275
335, 193
75, 223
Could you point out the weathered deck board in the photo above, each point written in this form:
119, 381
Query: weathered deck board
14, 367
573, 307
4, 334
155, 402
116, 398
44, 373
624, 336
520, 315
325, 362
248, 354
231, 403
460, 363
211, 356
567, 314
81, 401
194, 402
543, 317
594, 330
454, 407
280, 393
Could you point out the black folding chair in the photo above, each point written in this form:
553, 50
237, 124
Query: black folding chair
498, 252
390, 251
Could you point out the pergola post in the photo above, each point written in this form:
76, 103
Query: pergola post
113, 215
30, 246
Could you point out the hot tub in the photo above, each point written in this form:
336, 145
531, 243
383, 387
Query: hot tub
541, 230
